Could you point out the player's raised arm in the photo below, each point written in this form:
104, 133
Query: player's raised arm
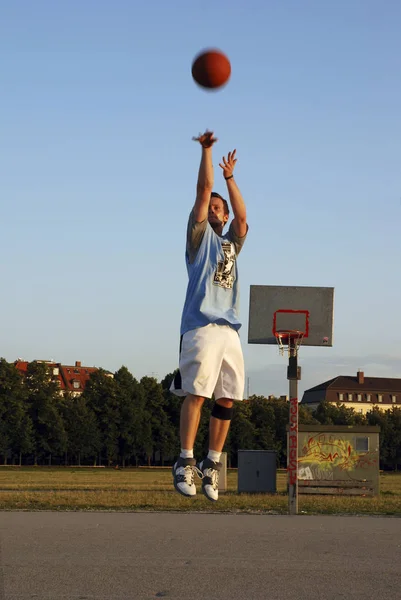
236, 199
205, 183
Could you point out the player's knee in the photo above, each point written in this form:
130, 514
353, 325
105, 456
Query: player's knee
194, 400
223, 409
225, 402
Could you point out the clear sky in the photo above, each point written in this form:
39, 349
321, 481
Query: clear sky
98, 174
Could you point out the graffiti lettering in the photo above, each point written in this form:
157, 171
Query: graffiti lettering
292, 465
322, 474
305, 473
366, 460
293, 442
312, 472
294, 414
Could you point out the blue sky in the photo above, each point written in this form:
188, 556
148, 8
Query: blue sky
99, 171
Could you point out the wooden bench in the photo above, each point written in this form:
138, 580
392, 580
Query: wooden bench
346, 487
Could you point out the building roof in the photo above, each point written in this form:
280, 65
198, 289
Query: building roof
22, 366
368, 384
75, 377
71, 378
382, 391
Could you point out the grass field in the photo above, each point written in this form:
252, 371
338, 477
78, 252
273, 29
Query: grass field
151, 490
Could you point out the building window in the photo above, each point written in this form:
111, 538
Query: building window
380, 397
359, 397
367, 397
76, 385
55, 371
394, 399
362, 444
350, 397
341, 397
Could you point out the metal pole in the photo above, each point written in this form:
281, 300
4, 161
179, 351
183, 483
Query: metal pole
293, 375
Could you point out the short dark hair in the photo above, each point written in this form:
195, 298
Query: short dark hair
225, 203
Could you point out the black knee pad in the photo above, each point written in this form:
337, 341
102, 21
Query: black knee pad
222, 412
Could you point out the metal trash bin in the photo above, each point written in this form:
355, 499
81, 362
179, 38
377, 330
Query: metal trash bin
257, 471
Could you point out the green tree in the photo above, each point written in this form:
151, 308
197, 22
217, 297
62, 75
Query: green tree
100, 395
24, 434
125, 383
16, 434
135, 429
242, 430
281, 408
83, 435
394, 441
380, 418
328, 413
306, 415
163, 436
172, 403
142, 445
264, 419
44, 403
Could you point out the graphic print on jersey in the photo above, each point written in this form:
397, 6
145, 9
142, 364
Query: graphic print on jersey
223, 275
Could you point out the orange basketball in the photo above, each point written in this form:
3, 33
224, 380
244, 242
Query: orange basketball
211, 69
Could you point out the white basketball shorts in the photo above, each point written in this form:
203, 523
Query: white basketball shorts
211, 362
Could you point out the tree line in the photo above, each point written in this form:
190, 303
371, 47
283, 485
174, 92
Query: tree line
122, 421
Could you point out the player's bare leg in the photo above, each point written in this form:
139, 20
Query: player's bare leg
184, 468
218, 430
189, 420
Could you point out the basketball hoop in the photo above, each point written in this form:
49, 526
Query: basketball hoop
290, 339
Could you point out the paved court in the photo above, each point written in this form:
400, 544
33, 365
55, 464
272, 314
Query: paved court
123, 556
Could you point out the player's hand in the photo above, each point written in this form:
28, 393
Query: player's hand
206, 139
228, 164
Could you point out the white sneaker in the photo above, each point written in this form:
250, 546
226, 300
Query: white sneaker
183, 476
210, 480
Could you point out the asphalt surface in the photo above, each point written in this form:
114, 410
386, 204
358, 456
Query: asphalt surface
123, 556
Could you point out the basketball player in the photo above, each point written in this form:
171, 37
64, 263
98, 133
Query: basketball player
211, 360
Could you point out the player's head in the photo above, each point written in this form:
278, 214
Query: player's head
218, 211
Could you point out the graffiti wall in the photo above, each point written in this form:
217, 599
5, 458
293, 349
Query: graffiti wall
338, 456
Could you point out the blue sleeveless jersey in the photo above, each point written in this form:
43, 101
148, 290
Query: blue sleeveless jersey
213, 288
